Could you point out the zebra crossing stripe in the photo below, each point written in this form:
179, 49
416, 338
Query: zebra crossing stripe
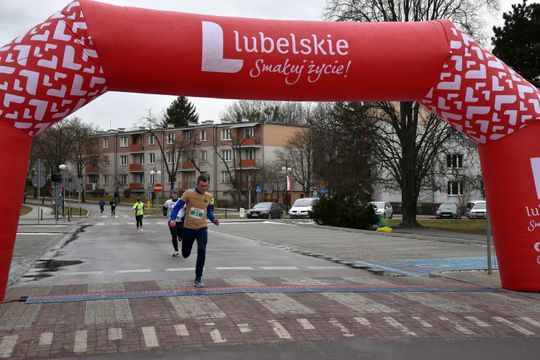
216, 337
530, 321
422, 322
244, 328
81, 341
150, 337
280, 331
477, 321
181, 330
306, 325
7, 345
397, 325
457, 325
344, 331
115, 334
362, 321
46, 338
514, 326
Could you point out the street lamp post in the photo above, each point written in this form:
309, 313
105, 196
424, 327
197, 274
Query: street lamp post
153, 172
286, 169
63, 168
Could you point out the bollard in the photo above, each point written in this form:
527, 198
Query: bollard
225, 213
41, 214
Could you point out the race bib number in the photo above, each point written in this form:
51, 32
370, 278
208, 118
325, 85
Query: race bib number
196, 213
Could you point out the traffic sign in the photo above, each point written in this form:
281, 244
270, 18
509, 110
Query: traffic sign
38, 180
158, 188
258, 189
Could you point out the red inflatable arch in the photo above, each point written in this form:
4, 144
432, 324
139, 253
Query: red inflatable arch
89, 48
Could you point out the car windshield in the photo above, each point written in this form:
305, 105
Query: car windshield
264, 205
304, 202
447, 207
480, 206
378, 204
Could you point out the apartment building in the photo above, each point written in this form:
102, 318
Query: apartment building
139, 159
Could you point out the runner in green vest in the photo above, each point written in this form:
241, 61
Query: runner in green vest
139, 214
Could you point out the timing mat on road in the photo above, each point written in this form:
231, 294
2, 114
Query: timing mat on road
245, 290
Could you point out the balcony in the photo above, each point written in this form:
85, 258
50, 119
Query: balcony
136, 147
136, 167
250, 164
90, 169
136, 186
250, 141
187, 166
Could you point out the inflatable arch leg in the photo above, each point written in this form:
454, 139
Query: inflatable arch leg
89, 48
14, 156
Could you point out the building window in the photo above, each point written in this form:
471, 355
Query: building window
226, 155
250, 154
106, 143
204, 155
123, 179
188, 135
106, 160
151, 140
124, 141
123, 160
225, 134
249, 132
170, 138
203, 135
454, 161
152, 178
151, 158
170, 157
455, 188
225, 177
105, 179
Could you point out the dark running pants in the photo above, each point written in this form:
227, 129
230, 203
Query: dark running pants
139, 220
176, 234
188, 238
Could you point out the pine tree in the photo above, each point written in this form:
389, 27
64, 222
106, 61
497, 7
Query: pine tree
180, 113
517, 43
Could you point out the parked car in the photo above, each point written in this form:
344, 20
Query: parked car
302, 208
448, 210
476, 209
383, 208
266, 210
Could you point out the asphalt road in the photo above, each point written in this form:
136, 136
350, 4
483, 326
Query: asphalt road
405, 317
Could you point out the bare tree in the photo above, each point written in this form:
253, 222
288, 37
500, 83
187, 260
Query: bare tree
405, 118
405, 162
171, 146
292, 113
299, 156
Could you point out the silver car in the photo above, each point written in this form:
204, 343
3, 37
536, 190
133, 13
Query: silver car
476, 209
383, 208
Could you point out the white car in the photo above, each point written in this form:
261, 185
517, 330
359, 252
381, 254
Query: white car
302, 208
476, 209
383, 208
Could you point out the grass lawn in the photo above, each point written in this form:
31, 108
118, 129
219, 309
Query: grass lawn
463, 225
25, 210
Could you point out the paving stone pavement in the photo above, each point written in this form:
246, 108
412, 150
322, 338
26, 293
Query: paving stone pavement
29, 331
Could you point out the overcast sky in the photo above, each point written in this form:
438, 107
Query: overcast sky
122, 109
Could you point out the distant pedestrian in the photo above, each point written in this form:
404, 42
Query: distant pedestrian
176, 232
102, 205
198, 209
139, 214
113, 207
